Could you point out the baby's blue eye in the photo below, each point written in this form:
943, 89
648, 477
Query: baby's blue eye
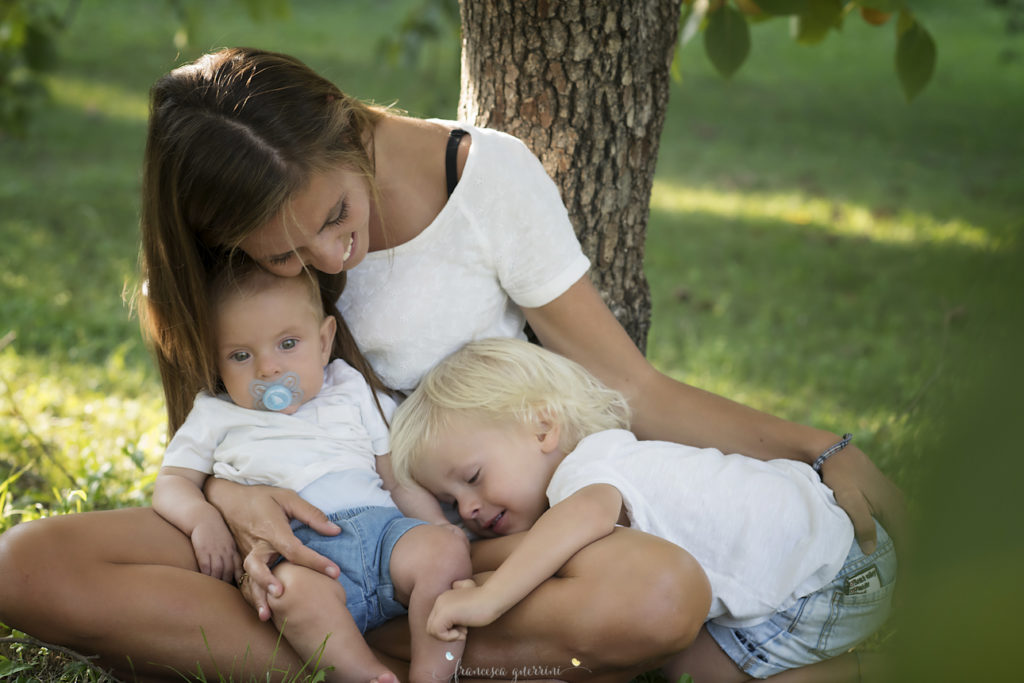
239, 356
289, 344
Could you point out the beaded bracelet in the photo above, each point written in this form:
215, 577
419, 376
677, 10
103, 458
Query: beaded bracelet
832, 450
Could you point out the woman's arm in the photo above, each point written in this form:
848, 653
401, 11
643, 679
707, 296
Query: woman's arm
258, 518
579, 520
579, 325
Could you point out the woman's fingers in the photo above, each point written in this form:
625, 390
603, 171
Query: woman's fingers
257, 581
865, 493
856, 507
297, 508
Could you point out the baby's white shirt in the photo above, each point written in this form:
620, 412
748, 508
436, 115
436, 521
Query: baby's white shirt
338, 431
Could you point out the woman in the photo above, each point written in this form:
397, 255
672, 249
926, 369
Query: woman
253, 151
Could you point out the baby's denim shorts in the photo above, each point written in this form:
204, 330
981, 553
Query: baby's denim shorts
821, 625
363, 553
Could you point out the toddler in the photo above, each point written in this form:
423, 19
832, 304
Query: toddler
523, 440
291, 419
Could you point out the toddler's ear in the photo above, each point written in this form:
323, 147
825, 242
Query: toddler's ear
548, 434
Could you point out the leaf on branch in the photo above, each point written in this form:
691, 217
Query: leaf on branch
812, 25
915, 56
727, 40
883, 5
781, 7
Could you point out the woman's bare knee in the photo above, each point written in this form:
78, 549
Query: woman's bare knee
649, 599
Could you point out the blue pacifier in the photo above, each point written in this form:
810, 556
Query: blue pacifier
277, 395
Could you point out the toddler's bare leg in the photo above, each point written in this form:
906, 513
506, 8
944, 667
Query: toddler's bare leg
424, 563
312, 616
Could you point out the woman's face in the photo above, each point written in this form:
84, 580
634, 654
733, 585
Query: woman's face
326, 226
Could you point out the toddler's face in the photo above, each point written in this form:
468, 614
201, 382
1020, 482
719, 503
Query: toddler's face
263, 335
497, 475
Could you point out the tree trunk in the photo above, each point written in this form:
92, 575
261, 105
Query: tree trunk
585, 84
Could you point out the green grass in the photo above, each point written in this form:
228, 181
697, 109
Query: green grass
818, 248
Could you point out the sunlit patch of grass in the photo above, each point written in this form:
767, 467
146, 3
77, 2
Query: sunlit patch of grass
834, 216
99, 97
93, 434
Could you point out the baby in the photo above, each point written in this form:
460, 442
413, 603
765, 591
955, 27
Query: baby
293, 419
524, 440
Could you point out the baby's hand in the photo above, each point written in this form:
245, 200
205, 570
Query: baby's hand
215, 550
465, 605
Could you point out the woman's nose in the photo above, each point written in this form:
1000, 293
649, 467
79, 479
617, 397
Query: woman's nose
328, 254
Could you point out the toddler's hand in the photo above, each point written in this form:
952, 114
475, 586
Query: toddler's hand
215, 550
454, 610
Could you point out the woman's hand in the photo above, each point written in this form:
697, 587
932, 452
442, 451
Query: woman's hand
864, 492
258, 517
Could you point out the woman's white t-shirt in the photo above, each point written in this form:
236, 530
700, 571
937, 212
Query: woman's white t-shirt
503, 241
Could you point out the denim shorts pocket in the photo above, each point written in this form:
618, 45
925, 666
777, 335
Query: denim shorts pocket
853, 618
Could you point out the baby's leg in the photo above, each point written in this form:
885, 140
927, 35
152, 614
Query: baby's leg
424, 563
311, 609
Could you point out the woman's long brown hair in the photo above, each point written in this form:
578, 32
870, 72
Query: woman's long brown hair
232, 138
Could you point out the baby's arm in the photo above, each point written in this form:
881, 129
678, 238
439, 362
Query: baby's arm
413, 500
178, 498
584, 517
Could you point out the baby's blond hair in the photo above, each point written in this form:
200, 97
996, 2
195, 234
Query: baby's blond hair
503, 381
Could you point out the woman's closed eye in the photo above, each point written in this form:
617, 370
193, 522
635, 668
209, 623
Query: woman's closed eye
340, 218
280, 259
474, 478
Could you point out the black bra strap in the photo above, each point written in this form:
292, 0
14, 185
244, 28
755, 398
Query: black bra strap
451, 168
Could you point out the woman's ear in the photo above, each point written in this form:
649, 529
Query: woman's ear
328, 328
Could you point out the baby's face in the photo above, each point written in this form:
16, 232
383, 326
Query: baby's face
497, 475
264, 335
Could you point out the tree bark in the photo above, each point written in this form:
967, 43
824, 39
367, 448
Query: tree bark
585, 84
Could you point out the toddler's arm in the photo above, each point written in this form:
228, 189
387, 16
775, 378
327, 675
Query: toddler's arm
412, 499
579, 520
178, 498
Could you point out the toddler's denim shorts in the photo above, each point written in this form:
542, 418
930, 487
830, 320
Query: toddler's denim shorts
363, 553
821, 625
